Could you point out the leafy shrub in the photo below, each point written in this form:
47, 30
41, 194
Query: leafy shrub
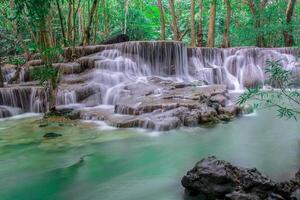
285, 99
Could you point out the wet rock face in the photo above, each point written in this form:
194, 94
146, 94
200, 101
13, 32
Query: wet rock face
176, 106
158, 105
218, 179
4, 112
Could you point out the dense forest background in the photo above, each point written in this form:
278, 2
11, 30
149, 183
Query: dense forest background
27, 26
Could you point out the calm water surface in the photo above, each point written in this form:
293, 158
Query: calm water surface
93, 161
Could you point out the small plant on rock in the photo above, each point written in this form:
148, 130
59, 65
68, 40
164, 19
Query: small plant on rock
281, 96
48, 76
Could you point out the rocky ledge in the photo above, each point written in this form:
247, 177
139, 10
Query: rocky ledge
218, 179
163, 106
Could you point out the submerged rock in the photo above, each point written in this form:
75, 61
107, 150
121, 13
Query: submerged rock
52, 135
247, 109
230, 111
218, 179
43, 125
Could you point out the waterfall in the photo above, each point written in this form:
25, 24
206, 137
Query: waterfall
240, 67
108, 74
135, 61
8, 73
28, 99
6, 111
65, 97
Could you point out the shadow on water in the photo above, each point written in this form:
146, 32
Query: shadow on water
47, 185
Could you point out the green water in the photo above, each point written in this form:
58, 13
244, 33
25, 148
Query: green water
134, 164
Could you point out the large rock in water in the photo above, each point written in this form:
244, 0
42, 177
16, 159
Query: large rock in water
218, 179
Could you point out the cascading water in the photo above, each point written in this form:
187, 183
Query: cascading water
112, 72
238, 68
22, 99
121, 64
8, 74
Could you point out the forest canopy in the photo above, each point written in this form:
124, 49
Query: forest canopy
40, 24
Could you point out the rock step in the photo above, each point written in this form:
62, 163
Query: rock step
69, 68
160, 120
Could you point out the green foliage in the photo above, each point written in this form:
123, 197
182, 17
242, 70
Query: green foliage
16, 60
8, 44
277, 74
52, 54
285, 99
143, 21
45, 74
37, 9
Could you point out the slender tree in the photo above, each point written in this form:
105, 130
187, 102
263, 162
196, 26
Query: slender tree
212, 23
200, 28
162, 20
125, 15
61, 22
226, 35
287, 33
1, 75
96, 26
18, 32
69, 20
257, 10
175, 28
73, 29
87, 34
192, 24
106, 19
81, 21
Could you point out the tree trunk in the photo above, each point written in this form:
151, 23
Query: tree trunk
32, 35
44, 40
287, 34
174, 21
257, 14
73, 29
52, 95
19, 33
193, 26
49, 21
1, 75
69, 19
211, 26
96, 27
87, 34
106, 20
226, 36
125, 16
81, 13
79, 25
162, 21
61, 22
261, 22
200, 29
